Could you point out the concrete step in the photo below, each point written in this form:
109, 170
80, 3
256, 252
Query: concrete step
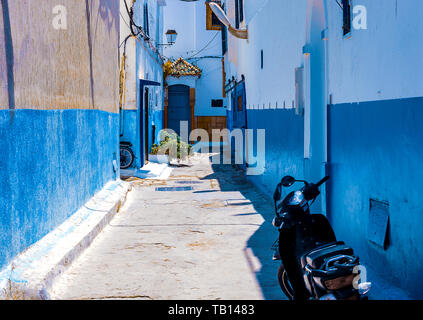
30, 275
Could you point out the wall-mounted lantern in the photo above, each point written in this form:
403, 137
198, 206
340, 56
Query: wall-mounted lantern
171, 36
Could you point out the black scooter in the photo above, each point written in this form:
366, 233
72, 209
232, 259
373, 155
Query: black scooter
314, 264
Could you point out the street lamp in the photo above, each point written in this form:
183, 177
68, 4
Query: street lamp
221, 15
171, 36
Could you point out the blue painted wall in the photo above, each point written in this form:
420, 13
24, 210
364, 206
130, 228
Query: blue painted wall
158, 119
131, 131
129, 126
375, 151
284, 145
51, 163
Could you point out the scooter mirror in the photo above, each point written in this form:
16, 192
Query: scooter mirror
288, 181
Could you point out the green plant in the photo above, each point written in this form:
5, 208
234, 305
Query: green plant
172, 145
155, 149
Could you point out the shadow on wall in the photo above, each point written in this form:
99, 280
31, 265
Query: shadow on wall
107, 8
8, 43
108, 11
90, 47
379, 160
232, 179
284, 145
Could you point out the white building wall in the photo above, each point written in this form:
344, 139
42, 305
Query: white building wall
141, 62
362, 69
130, 93
277, 28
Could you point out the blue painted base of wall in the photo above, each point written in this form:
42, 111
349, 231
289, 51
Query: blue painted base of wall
129, 126
130, 131
157, 118
284, 145
51, 163
376, 152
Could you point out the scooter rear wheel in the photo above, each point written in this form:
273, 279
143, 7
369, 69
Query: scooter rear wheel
284, 283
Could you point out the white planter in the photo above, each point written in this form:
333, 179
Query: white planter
158, 158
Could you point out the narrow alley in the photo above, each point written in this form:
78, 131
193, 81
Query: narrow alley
114, 112
207, 238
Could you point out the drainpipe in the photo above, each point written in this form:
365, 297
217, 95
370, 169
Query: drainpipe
325, 39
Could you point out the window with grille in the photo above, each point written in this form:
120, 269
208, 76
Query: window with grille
239, 12
224, 40
217, 103
346, 9
146, 26
261, 59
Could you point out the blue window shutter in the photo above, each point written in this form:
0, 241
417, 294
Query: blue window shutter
237, 17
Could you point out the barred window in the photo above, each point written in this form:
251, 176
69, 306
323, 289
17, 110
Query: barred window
146, 26
346, 9
218, 103
239, 12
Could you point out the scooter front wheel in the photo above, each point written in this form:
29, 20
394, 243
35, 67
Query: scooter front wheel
284, 283
126, 157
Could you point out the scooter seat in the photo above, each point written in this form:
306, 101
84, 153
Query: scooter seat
316, 257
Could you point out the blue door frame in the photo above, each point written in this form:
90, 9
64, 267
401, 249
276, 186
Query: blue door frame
143, 110
239, 117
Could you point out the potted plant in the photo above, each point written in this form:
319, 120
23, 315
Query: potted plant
171, 148
155, 157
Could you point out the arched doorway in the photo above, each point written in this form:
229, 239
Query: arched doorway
179, 108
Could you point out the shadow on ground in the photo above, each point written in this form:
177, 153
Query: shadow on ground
232, 178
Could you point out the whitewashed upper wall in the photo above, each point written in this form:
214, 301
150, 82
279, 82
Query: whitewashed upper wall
141, 63
189, 20
278, 28
380, 63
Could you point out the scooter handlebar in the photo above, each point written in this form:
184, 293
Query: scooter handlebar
318, 184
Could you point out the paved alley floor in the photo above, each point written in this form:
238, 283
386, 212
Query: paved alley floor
208, 238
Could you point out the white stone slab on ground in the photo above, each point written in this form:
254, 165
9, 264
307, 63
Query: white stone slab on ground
152, 170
